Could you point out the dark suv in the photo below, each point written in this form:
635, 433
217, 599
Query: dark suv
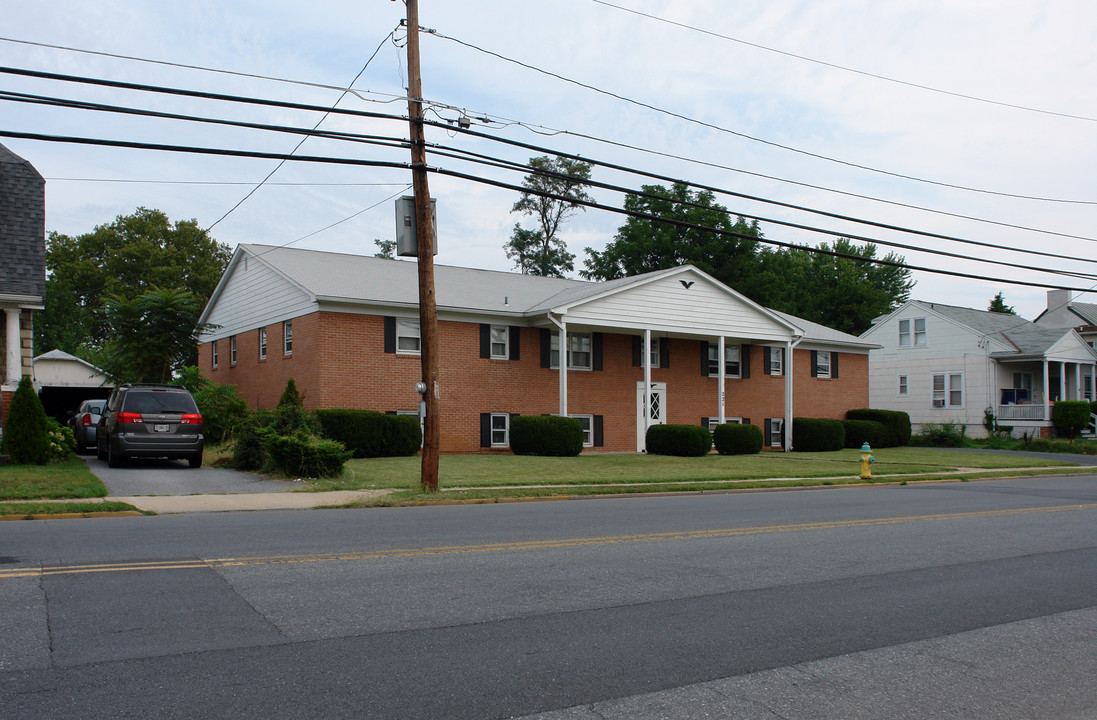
150, 421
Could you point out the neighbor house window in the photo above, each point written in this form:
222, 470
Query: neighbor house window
500, 342
731, 360
287, 337
912, 332
214, 344
232, 350
948, 390
262, 343
904, 385
500, 429
587, 423
579, 351
822, 364
776, 431
407, 336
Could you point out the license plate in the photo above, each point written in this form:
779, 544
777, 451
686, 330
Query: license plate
161, 428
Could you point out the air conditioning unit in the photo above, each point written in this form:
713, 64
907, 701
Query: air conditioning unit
407, 244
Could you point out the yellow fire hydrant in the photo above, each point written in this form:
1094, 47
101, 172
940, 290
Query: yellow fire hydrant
866, 462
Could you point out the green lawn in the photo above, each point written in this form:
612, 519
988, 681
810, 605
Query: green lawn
662, 472
68, 479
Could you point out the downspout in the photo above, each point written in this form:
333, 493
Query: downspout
647, 387
791, 346
563, 363
720, 359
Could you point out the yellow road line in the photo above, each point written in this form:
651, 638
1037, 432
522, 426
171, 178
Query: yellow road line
196, 563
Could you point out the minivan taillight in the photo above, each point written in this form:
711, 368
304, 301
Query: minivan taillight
129, 417
191, 419
86, 422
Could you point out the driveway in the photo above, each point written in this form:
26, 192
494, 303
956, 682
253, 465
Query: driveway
175, 477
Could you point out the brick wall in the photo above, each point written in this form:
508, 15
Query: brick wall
338, 360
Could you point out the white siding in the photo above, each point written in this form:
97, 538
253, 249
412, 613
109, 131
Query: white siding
256, 297
667, 306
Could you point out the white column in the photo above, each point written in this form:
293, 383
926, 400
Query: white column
647, 386
14, 347
1063, 380
722, 383
787, 367
1047, 391
1078, 381
563, 369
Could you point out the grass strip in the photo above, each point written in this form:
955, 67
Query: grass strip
68, 479
38, 509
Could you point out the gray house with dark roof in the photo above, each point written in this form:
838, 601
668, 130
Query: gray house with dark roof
942, 363
1063, 311
23, 266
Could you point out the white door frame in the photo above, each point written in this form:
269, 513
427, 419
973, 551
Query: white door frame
658, 390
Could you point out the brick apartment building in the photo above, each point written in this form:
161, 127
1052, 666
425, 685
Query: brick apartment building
346, 328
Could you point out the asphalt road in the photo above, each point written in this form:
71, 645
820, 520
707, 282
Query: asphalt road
955, 600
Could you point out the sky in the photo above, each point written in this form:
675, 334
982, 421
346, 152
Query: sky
971, 119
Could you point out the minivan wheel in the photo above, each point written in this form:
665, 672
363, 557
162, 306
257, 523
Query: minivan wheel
114, 460
100, 453
195, 461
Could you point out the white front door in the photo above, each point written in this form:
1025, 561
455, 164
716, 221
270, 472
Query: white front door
657, 411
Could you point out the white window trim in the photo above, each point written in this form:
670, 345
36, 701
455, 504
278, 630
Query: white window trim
287, 337
215, 358
505, 429
492, 342
554, 350
714, 421
232, 350
912, 334
655, 348
924, 333
947, 390
904, 386
776, 430
713, 363
819, 366
588, 432
776, 367
406, 325
262, 343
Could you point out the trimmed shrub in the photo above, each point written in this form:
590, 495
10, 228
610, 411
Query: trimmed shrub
946, 434
1070, 416
896, 422
549, 435
679, 440
26, 430
734, 439
248, 453
290, 415
302, 454
370, 434
859, 432
62, 441
817, 435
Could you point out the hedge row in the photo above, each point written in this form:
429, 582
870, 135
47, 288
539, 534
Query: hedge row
549, 435
859, 432
736, 439
817, 435
678, 440
369, 434
896, 422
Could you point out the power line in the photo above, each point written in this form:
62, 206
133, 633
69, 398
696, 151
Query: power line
771, 143
518, 188
845, 68
131, 181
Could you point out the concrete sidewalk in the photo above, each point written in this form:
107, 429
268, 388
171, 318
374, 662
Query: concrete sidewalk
164, 504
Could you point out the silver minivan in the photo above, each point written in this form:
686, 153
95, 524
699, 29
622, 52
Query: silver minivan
150, 421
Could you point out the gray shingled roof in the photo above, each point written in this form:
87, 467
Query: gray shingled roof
371, 280
1028, 337
1087, 311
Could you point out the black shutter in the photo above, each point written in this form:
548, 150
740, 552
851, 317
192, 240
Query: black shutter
664, 353
515, 342
744, 361
596, 341
637, 343
704, 358
783, 429
546, 348
746, 421
485, 340
765, 359
814, 363
766, 430
704, 422
390, 334
834, 365
485, 429
599, 439
390, 412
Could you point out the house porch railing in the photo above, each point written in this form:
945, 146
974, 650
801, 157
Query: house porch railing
1020, 412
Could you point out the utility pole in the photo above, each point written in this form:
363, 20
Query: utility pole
428, 308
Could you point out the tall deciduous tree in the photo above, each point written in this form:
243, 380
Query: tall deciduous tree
125, 259
554, 192
645, 244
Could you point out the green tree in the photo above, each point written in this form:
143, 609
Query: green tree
554, 192
26, 429
155, 335
385, 249
842, 292
644, 244
998, 305
124, 259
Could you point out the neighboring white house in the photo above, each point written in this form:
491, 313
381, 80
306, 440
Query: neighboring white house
1065, 312
941, 363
